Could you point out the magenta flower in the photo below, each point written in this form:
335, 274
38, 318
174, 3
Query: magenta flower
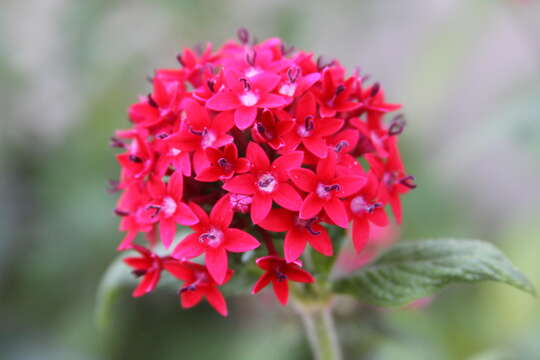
279, 272
326, 189
168, 208
213, 237
365, 208
310, 130
267, 182
223, 164
246, 95
300, 232
148, 266
198, 284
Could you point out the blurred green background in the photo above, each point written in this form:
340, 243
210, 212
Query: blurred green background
468, 73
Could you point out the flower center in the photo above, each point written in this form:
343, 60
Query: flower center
287, 89
212, 238
307, 224
325, 191
208, 139
249, 98
306, 129
225, 165
169, 206
267, 183
360, 206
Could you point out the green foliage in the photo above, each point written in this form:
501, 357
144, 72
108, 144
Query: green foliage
414, 270
114, 281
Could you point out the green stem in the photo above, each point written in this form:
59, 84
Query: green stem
321, 331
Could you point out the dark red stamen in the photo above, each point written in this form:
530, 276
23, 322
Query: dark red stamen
397, 126
151, 101
246, 84
308, 123
138, 272
375, 89
251, 58
117, 143
293, 73
408, 181
211, 84
340, 145
121, 212
243, 35
135, 159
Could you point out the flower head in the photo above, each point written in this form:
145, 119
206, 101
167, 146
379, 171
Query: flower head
249, 143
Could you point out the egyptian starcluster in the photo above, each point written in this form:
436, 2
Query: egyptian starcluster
255, 147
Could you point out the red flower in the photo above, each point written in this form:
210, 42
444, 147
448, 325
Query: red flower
311, 130
223, 164
299, 233
365, 208
279, 272
214, 238
167, 207
201, 131
198, 284
335, 95
394, 179
267, 182
148, 266
245, 96
271, 128
326, 188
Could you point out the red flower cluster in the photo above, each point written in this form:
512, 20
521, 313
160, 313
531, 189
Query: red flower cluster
252, 141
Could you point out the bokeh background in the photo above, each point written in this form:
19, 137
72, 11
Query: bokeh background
467, 71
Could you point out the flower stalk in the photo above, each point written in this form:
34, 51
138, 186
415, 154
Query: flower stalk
320, 330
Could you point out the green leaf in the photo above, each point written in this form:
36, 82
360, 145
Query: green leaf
413, 270
117, 277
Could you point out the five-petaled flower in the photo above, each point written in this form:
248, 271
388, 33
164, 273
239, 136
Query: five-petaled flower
279, 272
214, 238
198, 284
148, 266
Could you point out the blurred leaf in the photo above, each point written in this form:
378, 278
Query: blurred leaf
114, 281
411, 271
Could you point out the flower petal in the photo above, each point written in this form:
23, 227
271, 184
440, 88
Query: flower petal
190, 298
216, 299
311, 207
350, 184
260, 207
326, 168
303, 178
317, 145
335, 209
222, 213
281, 289
286, 196
239, 241
294, 245
262, 282
223, 101
241, 184
217, 263
167, 230
188, 248
360, 234
147, 284
321, 242
295, 273
278, 220
284, 163
271, 101
258, 157
244, 116
185, 215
